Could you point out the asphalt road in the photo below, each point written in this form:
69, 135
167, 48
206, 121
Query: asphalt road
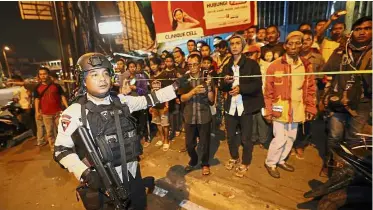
30, 179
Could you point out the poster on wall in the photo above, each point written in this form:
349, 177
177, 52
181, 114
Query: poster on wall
180, 20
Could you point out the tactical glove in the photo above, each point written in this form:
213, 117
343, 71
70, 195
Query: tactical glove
92, 179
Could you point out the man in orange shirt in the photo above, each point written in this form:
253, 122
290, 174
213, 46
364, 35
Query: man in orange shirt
289, 100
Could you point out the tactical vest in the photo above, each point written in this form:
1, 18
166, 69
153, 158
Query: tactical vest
104, 132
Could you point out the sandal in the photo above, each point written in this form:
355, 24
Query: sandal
240, 171
159, 143
231, 163
299, 153
146, 144
205, 170
166, 147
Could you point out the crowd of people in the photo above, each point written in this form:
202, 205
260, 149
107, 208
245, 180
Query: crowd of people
275, 109
250, 85
225, 94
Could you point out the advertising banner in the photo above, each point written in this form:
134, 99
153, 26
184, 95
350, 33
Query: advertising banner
187, 20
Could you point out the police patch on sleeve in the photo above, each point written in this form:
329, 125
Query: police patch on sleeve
65, 121
65, 124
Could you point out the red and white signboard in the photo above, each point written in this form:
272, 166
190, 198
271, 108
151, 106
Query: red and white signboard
185, 20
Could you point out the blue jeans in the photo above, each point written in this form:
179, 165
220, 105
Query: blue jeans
344, 126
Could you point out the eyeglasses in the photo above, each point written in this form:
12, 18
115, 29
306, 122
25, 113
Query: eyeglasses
290, 44
193, 65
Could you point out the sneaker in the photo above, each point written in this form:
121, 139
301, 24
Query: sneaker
272, 170
231, 163
240, 171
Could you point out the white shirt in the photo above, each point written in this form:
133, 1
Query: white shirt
23, 96
236, 101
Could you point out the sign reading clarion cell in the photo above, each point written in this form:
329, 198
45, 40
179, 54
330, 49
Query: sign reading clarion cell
180, 20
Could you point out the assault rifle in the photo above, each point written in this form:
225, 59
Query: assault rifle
114, 188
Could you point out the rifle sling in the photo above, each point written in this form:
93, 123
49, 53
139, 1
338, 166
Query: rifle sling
122, 150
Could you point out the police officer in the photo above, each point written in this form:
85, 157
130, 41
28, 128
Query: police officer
95, 99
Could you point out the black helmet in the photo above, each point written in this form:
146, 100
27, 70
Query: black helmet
90, 61
87, 62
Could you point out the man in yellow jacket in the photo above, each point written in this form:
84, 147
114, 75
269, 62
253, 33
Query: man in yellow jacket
289, 100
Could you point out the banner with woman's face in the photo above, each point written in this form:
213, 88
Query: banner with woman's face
180, 20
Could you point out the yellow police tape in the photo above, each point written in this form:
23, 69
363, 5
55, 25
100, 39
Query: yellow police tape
272, 75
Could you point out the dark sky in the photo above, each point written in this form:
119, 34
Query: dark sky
27, 38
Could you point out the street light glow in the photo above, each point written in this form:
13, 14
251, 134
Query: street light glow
6, 48
114, 27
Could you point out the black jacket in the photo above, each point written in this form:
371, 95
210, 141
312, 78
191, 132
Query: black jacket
250, 87
335, 64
